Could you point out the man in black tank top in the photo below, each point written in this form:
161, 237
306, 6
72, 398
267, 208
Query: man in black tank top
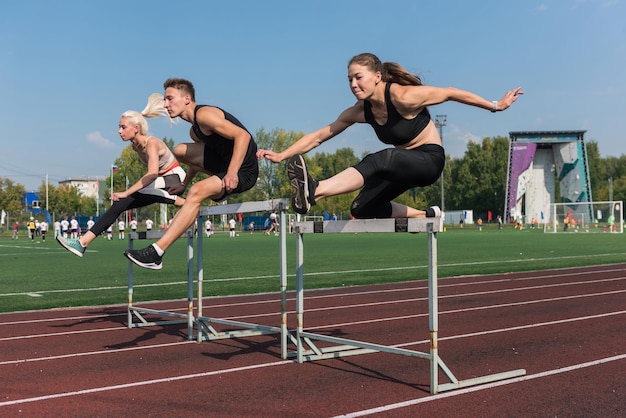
222, 148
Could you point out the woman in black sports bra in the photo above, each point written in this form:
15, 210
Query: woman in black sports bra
395, 103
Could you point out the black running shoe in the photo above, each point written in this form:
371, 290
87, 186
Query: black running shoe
433, 212
146, 258
302, 185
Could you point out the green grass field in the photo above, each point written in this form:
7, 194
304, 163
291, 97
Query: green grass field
37, 275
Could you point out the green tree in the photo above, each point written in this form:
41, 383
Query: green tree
273, 181
603, 169
11, 195
67, 200
479, 178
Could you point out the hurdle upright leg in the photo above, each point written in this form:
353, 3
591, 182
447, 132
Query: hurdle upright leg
283, 283
130, 287
299, 294
139, 312
205, 328
200, 248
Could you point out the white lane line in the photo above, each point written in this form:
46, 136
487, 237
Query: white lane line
464, 391
234, 279
143, 383
56, 334
334, 325
92, 353
309, 297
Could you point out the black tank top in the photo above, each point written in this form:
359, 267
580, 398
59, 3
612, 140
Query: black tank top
221, 146
397, 130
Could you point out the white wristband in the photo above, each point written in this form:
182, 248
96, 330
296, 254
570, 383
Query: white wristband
495, 106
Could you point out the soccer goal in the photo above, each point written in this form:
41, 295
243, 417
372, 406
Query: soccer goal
588, 217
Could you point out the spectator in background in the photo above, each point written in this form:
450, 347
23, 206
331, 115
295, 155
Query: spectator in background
232, 224
43, 229
207, 228
90, 223
16, 230
65, 227
73, 228
121, 226
31, 228
610, 224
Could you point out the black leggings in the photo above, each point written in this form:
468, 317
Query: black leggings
135, 200
391, 172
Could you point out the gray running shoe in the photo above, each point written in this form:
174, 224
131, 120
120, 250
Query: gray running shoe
302, 185
146, 258
72, 245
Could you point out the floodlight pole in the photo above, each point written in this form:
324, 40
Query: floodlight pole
440, 122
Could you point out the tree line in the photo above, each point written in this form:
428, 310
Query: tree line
475, 181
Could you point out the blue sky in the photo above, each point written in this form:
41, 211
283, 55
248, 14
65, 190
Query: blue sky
68, 69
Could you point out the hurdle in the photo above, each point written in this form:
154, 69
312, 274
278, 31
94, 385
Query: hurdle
348, 347
136, 312
205, 329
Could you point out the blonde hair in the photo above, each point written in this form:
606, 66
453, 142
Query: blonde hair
391, 72
153, 109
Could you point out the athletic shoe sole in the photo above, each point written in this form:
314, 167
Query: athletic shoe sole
151, 266
437, 211
299, 179
73, 250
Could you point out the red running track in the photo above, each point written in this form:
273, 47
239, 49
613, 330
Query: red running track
567, 328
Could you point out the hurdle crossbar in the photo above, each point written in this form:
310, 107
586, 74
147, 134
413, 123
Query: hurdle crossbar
137, 312
205, 329
348, 347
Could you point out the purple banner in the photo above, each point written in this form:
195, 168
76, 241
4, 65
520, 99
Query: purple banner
522, 156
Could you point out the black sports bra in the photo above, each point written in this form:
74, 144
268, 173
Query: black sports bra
397, 130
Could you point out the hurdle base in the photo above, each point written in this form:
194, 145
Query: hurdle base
345, 348
206, 331
458, 384
137, 313
348, 347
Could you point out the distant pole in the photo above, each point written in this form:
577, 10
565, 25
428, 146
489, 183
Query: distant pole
610, 189
440, 122
111, 185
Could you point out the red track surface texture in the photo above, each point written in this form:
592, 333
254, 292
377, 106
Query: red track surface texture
567, 328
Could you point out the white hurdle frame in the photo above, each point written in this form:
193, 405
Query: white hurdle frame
138, 312
349, 347
205, 331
